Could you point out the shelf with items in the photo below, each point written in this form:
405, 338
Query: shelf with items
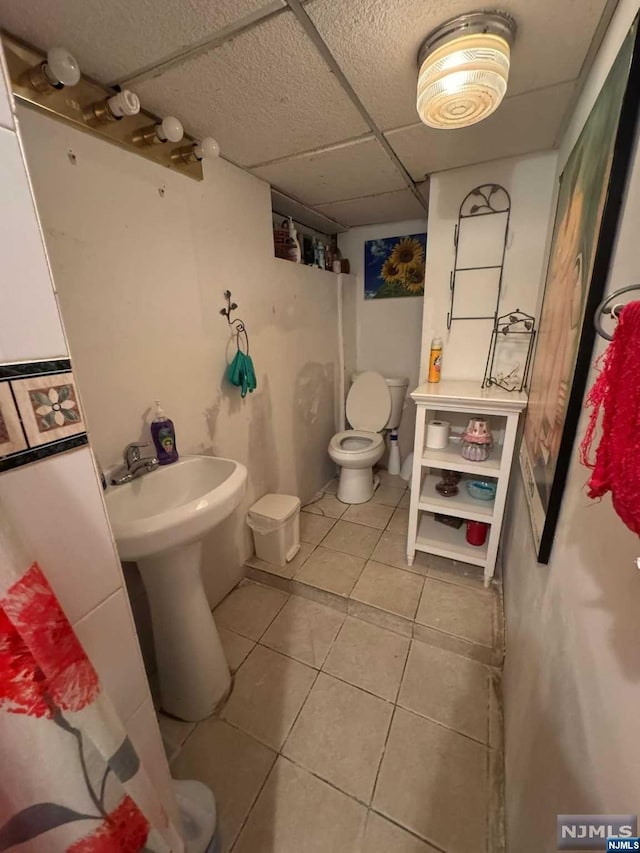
451, 458
458, 402
433, 537
461, 505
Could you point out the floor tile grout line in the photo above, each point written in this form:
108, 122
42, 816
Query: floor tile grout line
382, 756
414, 620
407, 829
404, 670
295, 720
233, 844
328, 782
442, 725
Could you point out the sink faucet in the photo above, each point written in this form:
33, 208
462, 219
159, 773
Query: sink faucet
135, 465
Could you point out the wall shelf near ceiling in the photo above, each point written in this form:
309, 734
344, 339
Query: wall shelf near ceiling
307, 267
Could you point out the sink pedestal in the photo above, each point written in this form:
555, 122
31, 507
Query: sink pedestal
192, 670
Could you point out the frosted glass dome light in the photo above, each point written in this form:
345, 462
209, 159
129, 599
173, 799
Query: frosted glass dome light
61, 68
464, 69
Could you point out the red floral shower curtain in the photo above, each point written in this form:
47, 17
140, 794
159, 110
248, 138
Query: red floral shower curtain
70, 778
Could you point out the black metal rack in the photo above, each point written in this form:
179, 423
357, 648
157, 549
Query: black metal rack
514, 324
484, 200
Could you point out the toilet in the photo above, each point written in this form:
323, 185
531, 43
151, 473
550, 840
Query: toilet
374, 403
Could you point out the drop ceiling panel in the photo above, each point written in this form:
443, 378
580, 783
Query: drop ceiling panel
376, 43
264, 95
285, 206
112, 38
348, 171
371, 210
520, 125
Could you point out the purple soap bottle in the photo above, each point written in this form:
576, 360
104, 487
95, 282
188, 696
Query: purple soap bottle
164, 437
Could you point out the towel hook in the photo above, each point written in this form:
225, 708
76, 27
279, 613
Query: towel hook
611, 310
236, 324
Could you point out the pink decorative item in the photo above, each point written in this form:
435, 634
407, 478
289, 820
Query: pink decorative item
477, 440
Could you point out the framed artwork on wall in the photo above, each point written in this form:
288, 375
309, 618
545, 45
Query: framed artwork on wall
590, 197
394, 266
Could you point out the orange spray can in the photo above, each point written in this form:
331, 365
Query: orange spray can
435, 360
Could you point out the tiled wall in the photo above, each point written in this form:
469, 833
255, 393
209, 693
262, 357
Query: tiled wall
48, 484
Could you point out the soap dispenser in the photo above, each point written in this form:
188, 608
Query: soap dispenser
164, 437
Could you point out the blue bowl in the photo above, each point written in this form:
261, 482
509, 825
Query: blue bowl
481, 490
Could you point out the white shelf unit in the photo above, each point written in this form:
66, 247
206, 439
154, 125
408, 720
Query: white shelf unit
431, 536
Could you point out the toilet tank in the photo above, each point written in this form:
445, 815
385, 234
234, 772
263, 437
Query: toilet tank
398, 390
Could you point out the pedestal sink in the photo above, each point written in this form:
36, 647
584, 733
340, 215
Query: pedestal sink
159, 521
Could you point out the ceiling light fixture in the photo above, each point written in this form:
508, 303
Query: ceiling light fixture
463, 69
206, 149
168, 130
59, 69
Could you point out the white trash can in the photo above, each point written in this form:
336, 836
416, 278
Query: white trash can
275, 522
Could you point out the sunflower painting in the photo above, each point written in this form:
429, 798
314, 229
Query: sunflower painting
394, 266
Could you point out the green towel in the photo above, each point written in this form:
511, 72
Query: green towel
242, 373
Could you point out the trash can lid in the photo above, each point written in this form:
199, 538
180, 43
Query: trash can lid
276, 507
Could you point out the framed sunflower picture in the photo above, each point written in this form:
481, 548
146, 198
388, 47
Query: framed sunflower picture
394, 266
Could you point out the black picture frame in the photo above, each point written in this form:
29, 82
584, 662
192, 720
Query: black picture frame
544, 533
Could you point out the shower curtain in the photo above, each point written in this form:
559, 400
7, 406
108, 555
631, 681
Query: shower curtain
70, 778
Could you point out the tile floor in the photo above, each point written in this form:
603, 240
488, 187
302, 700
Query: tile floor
365, 716
353, 558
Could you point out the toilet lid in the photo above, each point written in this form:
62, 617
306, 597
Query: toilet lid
369, 402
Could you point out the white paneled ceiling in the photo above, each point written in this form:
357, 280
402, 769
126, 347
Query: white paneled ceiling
113, 38
263, 95
376, 44
374, 209
523, 123
256, 75
335, 174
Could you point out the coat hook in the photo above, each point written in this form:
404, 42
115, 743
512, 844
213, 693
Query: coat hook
237, 324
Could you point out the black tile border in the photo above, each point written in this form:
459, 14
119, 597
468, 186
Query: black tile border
32, 369
35, 454
25, 369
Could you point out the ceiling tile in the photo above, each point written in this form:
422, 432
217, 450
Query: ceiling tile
264, 95
376, 44
521, 124
112, 39
283, 205
339, 173
374, 209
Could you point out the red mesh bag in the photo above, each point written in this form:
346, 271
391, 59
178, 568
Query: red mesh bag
616, 392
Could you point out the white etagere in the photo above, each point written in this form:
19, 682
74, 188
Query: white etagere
462, 400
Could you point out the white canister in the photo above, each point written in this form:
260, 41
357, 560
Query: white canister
438, 435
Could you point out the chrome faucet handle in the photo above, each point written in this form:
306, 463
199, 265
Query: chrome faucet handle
132, 452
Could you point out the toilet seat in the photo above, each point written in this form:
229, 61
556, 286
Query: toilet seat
356, 442
357, 450
368, 402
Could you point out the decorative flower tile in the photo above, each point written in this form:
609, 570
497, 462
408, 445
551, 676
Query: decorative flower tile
12, 438
49, 407
39, 412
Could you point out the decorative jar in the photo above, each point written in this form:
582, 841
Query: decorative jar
477, 440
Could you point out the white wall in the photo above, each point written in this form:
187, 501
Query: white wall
387, 331
56, 503
530, 183
141, 277
572, 672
